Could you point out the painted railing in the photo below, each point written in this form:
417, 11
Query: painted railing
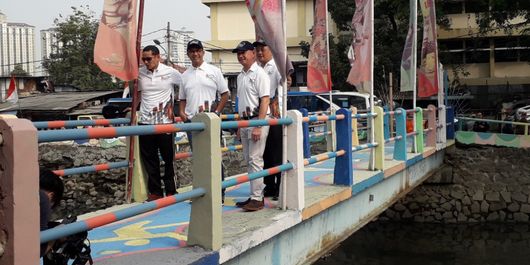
501, 133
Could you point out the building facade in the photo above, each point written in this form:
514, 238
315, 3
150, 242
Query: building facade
17, 46
492, 66
177, 46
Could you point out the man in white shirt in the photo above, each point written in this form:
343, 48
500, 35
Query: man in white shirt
272, 155
253, 89
201, 83
157, 92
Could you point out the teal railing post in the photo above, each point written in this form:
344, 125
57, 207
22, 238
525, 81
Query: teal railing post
441, 133
379, 136
343, 164
305, 131
450, 122
431, 121
400, 145
386, 121
205, 227
419, 130
294, 178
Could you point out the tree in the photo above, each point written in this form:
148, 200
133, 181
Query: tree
19, 71
73, 62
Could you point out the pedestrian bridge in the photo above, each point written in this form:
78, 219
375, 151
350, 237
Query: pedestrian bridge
324, 199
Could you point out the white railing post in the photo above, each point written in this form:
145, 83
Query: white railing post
294, 178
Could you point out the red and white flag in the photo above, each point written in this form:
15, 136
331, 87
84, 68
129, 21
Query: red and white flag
318, 68
428, 73
269, 19
115, 48
12, 95
361, 49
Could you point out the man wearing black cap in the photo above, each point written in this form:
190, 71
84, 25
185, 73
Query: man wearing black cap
272, 155
201, 83
253, 87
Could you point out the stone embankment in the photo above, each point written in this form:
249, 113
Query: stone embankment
477, 184
94, 191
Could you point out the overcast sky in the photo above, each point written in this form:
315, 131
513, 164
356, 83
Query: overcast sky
191, 14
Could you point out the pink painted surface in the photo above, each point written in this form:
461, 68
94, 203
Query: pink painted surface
19, 184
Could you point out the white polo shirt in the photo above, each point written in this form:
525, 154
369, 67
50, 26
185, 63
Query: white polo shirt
251, 86
275, 80
199, 85
157, 91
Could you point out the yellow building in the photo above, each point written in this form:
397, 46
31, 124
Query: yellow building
496, 64
231, 23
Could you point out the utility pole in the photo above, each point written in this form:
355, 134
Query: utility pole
391, 103
168, 44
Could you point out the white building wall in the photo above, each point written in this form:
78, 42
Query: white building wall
18, 47
179, 40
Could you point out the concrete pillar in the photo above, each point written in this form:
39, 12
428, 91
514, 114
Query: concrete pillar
442, 125
419, 129
343, 173
386, 123
330, 138
431, 121
400, 145
294, 178
354, 130
19, 192
305, 131
205, 228
379, 138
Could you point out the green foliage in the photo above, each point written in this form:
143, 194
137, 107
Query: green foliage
501, 13
19, 71
73, 63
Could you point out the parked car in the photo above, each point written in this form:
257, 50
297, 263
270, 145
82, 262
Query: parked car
320, 102
523, 114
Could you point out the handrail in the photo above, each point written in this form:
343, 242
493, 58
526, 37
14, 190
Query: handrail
92, 168
494, 121
399, 137
229, 116
255, 175
74, 123
111, 132
255, 123
323, 118
364, 146
107, 218
322, 157
364, 115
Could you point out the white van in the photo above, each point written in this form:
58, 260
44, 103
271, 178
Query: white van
348, 99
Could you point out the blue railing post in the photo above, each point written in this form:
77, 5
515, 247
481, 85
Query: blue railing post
442, 126
400, 145
450, 122
344, 164
379, 137
205, 227
294, 178
305, 131
386, 121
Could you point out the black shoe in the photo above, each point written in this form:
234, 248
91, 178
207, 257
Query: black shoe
242, 204
269, 193
275, 198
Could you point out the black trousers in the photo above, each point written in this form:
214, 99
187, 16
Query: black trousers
149, 147
272, 156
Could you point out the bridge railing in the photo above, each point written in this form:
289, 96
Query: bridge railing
513, 124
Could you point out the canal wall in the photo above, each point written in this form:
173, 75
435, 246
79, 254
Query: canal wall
476, 184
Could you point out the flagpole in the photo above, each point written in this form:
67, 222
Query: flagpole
329, 65
284, 115
134, 104
414, 7
372, 133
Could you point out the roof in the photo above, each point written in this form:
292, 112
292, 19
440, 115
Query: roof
55, 101
16, 24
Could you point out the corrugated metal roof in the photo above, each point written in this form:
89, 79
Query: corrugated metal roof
56, 101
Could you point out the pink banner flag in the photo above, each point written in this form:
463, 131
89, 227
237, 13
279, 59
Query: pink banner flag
268, 17
115, 48
361, 49
428, 73
12, 95
318, 70
408, 58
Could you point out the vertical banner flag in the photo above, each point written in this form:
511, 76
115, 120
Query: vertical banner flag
12, 95
269, 23
428, 74
115, 48
318, 68
360, 53
408, 59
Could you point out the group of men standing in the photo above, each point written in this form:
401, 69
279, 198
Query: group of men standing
202, 88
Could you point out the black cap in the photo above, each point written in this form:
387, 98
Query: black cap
243, 46
259, 43
194, 44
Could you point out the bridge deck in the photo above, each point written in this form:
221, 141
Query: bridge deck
161, 235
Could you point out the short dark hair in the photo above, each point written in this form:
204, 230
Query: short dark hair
151, 48
51, 182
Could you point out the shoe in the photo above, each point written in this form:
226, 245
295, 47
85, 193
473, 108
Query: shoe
241, 204
253, 205
275, 198
153, 197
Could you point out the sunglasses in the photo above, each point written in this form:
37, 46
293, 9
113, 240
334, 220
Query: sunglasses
147, 59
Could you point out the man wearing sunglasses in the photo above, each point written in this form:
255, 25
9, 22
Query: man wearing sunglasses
157, 83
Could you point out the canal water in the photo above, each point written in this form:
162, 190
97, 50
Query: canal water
384, 243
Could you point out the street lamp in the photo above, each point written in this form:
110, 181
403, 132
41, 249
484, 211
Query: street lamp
157, 42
